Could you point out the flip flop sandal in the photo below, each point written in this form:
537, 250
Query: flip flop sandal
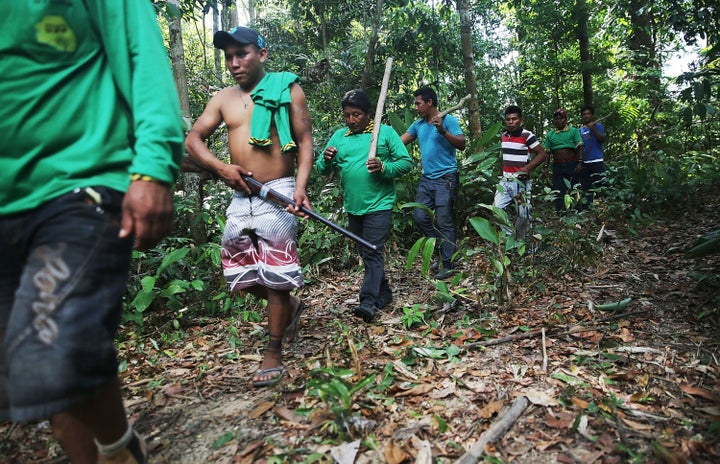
273, 380
292, 328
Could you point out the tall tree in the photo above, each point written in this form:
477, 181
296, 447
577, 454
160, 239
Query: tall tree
370, 55
642, 43
177, 57
217, 25
581, 14
189, 183
229, 15
466, 41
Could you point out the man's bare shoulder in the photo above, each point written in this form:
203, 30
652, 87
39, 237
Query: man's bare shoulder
217, 100
231, 104
227, 93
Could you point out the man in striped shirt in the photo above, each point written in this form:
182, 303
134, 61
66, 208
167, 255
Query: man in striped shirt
517, 143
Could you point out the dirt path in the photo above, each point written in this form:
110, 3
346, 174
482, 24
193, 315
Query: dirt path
642, 386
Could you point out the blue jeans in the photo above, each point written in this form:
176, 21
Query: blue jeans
63, 276
375, 228
561, 173
439, 195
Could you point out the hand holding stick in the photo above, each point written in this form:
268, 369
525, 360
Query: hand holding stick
379, 109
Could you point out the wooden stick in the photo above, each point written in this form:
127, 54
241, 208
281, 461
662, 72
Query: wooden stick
544, 351
459, 105
505, 339
600, 119
495, 432
379, 109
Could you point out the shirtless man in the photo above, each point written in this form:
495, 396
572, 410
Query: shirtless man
269, 130
566, 146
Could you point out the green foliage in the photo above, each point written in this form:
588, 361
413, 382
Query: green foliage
424, 247
170, 286
662, 136
334, 387
479, 167
412, 316
570, 244
499, 233
709, 243
450, 353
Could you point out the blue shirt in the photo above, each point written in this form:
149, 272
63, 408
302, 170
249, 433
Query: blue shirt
593, 147
438, 156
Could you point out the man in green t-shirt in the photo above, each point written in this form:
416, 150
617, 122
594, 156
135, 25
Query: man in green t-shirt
565, 145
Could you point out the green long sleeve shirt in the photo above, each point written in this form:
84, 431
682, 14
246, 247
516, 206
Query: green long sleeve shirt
86, 98
365, 192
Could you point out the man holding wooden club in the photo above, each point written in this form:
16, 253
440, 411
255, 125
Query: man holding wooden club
439, 136
369, 191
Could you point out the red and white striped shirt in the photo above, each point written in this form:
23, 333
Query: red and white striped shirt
516, 148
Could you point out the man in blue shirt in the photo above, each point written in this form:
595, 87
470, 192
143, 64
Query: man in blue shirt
438, 137
592, 174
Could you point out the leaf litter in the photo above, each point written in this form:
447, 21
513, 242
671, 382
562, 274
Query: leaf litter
613, 365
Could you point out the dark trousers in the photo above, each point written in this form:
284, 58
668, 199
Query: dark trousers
63, 276
375, 228
563, 172
592, 177
439, 195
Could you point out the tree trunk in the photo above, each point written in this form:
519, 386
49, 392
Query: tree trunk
247, 10
647, 68
177, 59
474, 124
219, 68
229, 18
581, 15
370, 56
189, 183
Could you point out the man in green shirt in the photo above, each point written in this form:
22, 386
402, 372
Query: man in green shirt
92, 141
565, 145
368, 190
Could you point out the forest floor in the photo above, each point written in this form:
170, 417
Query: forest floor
639, 384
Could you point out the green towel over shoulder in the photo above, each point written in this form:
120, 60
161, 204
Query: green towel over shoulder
272, 104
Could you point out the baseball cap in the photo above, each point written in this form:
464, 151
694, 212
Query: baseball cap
240, 34
560, 112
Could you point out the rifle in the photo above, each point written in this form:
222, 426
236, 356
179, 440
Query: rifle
269, 194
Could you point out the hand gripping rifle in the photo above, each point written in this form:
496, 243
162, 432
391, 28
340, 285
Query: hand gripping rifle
267, 193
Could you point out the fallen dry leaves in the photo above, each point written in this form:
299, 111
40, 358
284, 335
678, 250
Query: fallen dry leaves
639, 385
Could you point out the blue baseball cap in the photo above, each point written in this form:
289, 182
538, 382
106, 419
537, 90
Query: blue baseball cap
239, 34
